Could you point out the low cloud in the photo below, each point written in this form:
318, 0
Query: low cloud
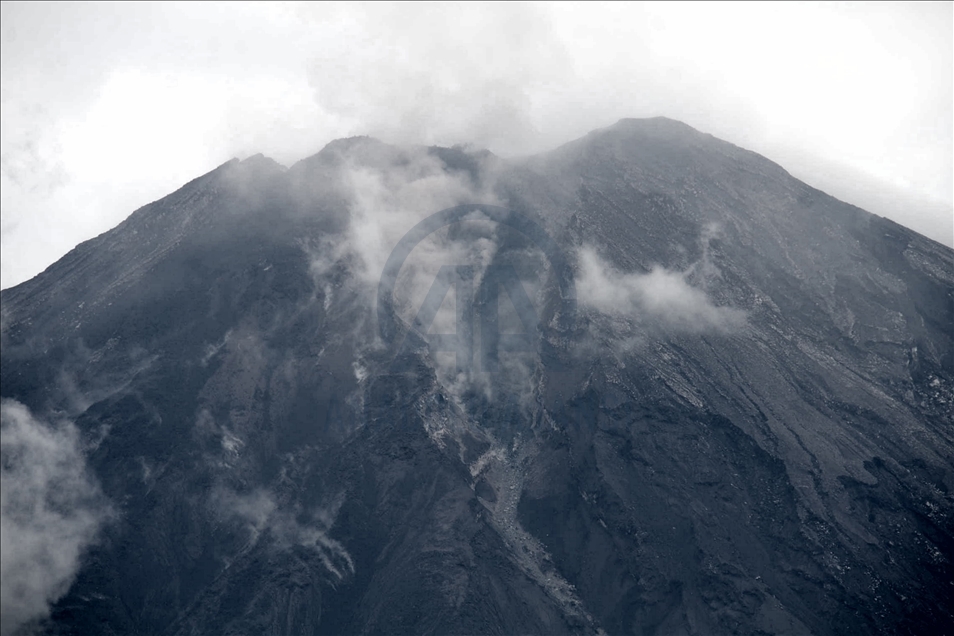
661, 297
51, 510
387, 196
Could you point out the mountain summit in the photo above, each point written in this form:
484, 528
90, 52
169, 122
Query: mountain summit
742, 423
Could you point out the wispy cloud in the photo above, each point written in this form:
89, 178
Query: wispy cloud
51, 510
389, 190
661, 297
261, 513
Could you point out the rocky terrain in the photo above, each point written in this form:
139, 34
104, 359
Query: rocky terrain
742, 423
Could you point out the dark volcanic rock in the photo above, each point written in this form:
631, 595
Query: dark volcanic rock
786, 472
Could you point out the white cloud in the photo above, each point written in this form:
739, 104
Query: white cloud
51, 510
661, 297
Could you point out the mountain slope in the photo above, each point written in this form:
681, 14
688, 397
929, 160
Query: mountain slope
745, 426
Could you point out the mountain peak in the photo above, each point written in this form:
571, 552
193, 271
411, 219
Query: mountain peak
260, 161
653, 123
349, 148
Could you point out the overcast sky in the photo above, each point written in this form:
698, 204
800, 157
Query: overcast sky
106, 107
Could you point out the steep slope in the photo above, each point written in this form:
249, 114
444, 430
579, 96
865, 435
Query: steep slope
745, 426
837, 395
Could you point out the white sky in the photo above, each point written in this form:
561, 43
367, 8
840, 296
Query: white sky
106, 107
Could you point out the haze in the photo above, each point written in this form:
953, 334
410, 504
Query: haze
106, 107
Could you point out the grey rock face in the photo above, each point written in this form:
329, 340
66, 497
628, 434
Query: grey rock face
745, 427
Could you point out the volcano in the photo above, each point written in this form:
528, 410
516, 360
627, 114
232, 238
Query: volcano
732, 412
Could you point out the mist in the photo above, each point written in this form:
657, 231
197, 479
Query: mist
52, 510
386, 198
108, 107
661, 297
259, 512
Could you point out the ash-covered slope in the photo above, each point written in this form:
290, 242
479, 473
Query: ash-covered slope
745, 427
